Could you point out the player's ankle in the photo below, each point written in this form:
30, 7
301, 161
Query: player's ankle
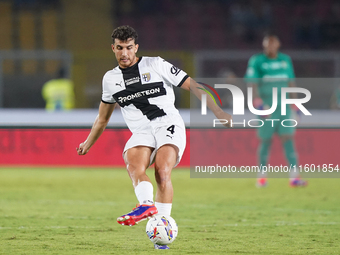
147, 202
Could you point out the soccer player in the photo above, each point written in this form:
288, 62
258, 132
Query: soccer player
142, 86
335, 99
265, 71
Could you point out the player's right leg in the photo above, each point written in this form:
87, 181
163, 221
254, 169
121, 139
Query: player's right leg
137, 159
263, 153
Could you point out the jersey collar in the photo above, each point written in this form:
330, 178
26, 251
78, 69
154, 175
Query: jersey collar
130, 67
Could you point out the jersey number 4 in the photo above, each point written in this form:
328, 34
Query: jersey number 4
171, 129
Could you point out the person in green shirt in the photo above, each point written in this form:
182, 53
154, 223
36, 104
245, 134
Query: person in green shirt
265, 71
59, 93
335, 99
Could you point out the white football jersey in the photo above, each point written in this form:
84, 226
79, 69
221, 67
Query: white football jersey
144, 91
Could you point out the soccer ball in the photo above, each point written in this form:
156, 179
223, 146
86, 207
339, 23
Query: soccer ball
161, 230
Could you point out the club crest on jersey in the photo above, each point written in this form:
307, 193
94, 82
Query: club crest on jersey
146, 77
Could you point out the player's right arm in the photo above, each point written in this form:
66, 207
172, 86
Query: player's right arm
257, 101
99, 125
252, 76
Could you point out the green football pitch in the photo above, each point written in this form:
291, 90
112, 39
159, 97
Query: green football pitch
74, 211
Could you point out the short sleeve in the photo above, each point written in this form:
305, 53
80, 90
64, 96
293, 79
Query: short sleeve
252, 73
169, 72
106, 94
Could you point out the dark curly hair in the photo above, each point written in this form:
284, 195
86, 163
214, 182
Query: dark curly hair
123, 33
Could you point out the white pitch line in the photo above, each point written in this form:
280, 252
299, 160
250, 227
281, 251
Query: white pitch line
305, 211
276, 209
64, 217
76, 202
50, 227
280, 223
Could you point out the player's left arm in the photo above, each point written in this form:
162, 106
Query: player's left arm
291, 76
179, 78
192, 86
292, 84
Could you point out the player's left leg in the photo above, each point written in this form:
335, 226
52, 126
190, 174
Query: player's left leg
165, 161
287, 140
170, 138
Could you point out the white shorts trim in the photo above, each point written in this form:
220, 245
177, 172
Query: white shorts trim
169, 129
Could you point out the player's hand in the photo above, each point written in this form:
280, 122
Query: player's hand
296, 112
82, 149
224, 116
296, 109
260, 105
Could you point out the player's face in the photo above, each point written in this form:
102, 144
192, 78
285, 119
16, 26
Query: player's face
271, 45
125, 52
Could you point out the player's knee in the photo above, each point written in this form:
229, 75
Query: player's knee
136, 172
285, 138
163, 174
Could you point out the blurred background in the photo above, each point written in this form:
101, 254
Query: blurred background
205, 38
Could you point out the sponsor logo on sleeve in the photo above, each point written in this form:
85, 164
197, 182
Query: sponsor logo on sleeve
175, 70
